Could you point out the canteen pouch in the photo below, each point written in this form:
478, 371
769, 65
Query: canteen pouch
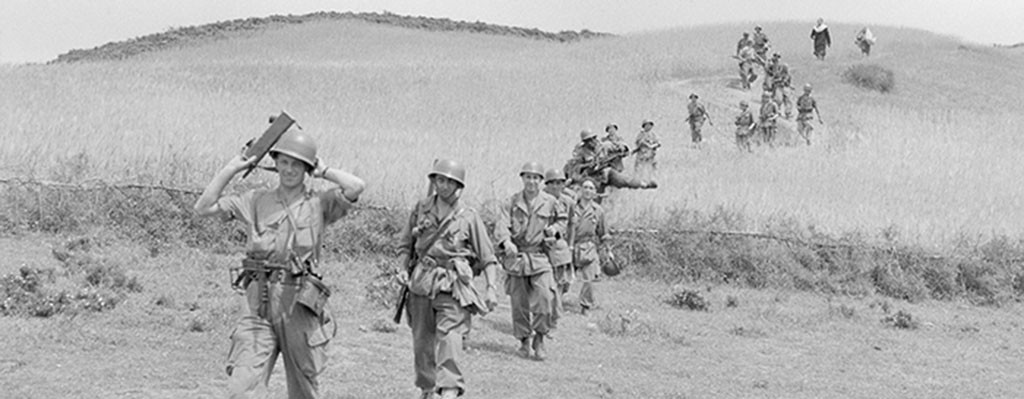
313, 295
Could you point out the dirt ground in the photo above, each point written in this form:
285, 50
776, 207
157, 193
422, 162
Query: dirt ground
170, 340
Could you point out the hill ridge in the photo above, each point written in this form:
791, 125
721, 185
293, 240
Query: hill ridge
217, 30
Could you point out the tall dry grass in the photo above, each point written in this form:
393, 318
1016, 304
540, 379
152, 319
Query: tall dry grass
935, 159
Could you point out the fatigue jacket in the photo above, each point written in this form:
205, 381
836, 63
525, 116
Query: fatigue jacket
446, 260
743, 122
588, 223
805, 105
614, 144
560, 254
760, 41
646, 145
697, 112
279, 231
524, 225
585, 155
769, 112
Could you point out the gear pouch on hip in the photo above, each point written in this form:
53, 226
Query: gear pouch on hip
515, 265
313, 295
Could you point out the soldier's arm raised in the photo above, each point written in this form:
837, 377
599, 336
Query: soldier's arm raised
206, 205
351, 185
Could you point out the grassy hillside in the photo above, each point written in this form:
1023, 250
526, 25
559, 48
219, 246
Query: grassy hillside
934, 159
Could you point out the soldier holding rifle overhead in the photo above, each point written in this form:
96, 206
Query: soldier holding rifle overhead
286, 297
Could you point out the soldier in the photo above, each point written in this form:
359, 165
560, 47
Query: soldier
864, 40
281, 277
696, 115
588, 233
529, 225
781, 83
592, 160
748, 62
821, 38
647, 145
615, 146
804, 105
560, 255
761, 45
769, 114
744, 127
443, 246
744, 42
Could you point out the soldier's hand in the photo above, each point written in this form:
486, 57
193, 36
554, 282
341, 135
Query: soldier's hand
402, 278
239, 163
491, 298
510, 248
320, 169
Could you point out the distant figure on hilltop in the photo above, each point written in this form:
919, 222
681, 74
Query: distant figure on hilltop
865, 39
748, 61
594, 160
821, 38
777, 81
744, 127
805, 105
760, 43
767, 118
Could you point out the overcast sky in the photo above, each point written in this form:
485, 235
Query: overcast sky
39, 30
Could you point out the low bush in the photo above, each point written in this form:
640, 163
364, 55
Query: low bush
871, 77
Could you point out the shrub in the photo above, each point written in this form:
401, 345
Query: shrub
902, 320
871, 77
687, 299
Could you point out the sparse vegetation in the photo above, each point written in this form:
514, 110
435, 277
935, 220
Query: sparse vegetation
871, 77
902, 320
688, 299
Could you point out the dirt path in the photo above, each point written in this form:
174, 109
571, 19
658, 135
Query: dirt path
771, 344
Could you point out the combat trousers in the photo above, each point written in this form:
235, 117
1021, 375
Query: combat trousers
621, 180
290, 330
532, 300
804, 127
645, 168
588, 274
563, 279
438, 326
695, 132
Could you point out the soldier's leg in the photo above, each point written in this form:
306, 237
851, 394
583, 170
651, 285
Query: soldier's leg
251, 357
561, 280
589, 275
517, 288
452, 325
619, 180
423, 323
542, 294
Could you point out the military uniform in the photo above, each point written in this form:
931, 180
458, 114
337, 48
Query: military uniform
588, 232
614, 144
760, 43
560, 254
805, 106
747, 70
448, 251
697, 114
281, 256
744, 129
646, 149
605, 176
767, 120
530, 282
821, 38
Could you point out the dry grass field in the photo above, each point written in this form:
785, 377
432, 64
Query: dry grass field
932, 164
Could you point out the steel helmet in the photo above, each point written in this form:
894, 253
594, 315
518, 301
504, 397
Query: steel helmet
807, 87
610, 266
450, 169
587, 134
532, 167
647, 122
296, 144
554, 174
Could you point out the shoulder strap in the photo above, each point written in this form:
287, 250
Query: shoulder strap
440, 229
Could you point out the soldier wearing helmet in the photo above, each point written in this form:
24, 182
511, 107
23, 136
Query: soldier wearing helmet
767, 118
592, 160
760, 40
281, 275
804, 106
744, 127
646, 149
528, 228
696, 115
779, 82
560, 255
615, 146
443, 246
588, 233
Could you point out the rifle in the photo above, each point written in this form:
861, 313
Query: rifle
597, 165
260, 148
403, 297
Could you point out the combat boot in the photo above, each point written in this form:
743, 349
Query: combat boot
538, 347
524, 348
426, 394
